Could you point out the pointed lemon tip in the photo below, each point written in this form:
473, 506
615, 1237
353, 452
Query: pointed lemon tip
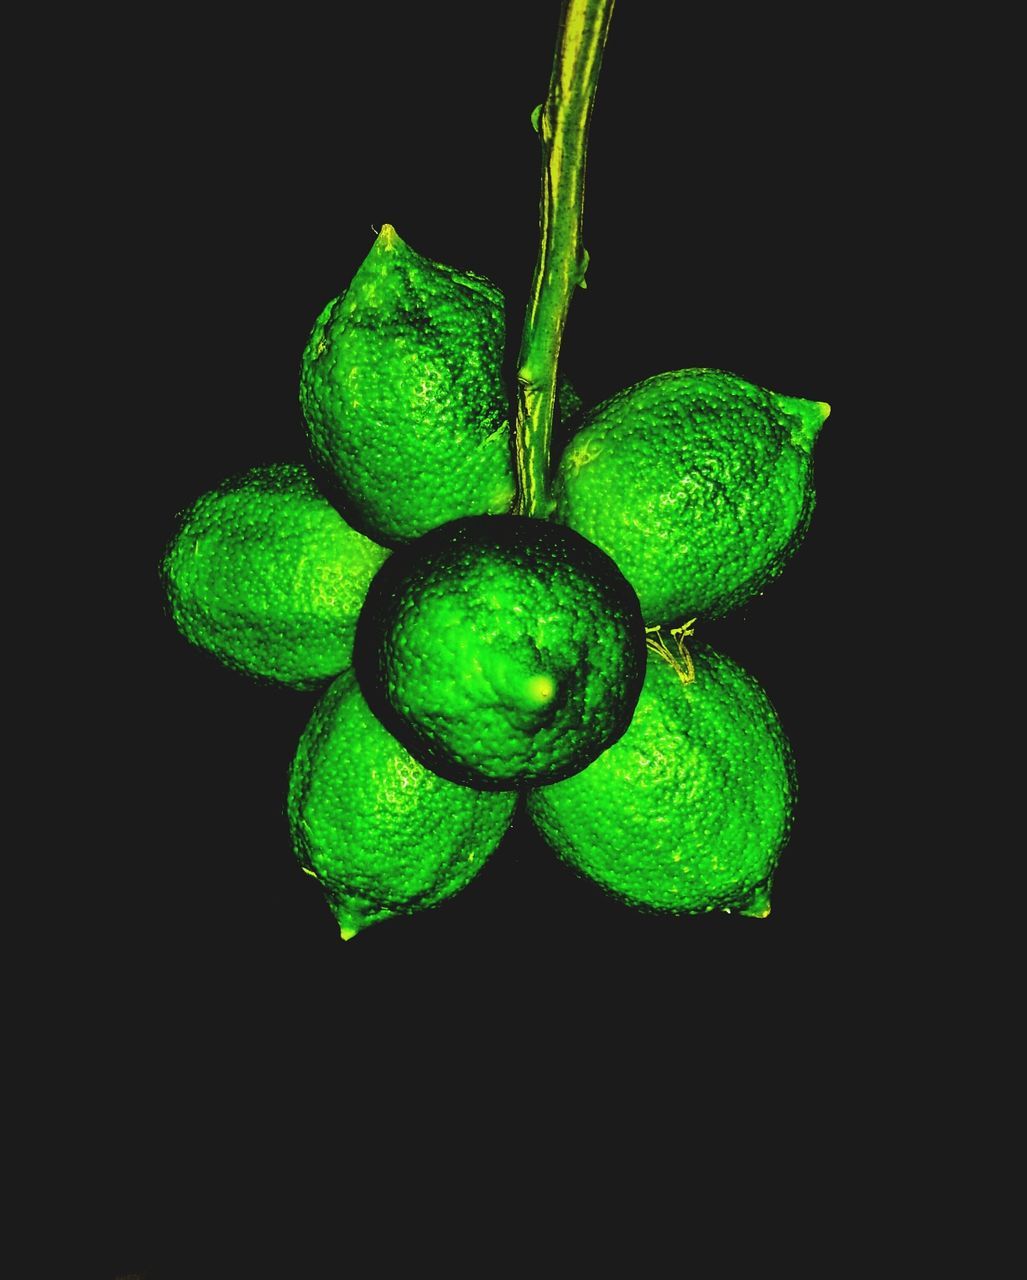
350, 921
541, 689
353, 916
807, 417
388, 237
759, 907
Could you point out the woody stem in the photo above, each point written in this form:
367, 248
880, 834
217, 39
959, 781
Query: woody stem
562, 123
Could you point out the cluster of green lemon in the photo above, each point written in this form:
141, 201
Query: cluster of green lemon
473, 654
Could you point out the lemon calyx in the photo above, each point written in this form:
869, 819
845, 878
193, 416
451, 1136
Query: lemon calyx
682, 663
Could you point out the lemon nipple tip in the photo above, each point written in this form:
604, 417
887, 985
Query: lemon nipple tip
541, 688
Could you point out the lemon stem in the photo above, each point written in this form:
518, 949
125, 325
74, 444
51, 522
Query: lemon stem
562, 124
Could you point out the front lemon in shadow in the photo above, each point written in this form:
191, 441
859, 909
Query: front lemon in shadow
503, 651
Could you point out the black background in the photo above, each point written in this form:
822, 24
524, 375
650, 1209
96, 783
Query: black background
736, 189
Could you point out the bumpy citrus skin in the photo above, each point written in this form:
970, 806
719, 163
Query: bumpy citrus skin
502, 650
402, 392
382, 834
697, 483
265, 574
689, 811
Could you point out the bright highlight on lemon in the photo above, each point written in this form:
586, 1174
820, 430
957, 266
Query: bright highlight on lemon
541, 689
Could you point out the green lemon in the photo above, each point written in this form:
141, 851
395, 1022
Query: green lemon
267, 576
402, 392
502, 650
383, 835
698, 484
690, 809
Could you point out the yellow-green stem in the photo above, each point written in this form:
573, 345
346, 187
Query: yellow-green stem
562, 123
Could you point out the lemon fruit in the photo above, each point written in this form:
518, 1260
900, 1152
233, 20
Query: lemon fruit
697, 483
265, 574
402, 392
689, 810
502, 650
383, 835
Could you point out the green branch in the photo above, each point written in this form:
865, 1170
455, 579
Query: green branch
562, 122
